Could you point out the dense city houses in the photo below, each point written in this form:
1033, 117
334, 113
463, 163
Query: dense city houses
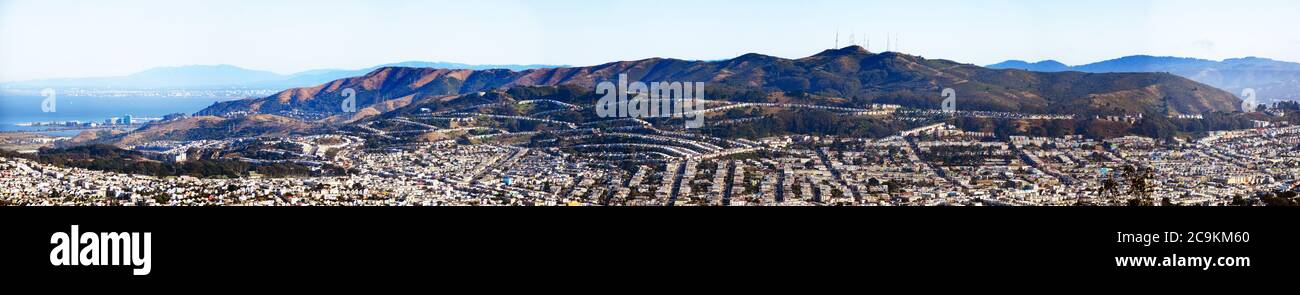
636, 164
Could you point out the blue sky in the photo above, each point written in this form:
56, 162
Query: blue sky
78, 38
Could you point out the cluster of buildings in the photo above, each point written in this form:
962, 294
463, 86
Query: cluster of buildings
126, 120
639, 165
24, 183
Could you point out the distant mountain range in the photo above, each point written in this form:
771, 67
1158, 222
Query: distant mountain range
228, 76
1272, 80
839, 77
848, 77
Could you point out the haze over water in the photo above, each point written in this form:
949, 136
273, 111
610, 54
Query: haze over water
23, 109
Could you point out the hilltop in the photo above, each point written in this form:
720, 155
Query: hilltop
199, 128
1273, 80
849, 76
229, 76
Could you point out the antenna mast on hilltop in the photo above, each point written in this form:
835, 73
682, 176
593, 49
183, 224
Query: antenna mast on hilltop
837, 38
898, 43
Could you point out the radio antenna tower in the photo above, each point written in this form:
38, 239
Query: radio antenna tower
898, 42
837, 38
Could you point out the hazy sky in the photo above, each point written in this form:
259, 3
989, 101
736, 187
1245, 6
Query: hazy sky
73, 38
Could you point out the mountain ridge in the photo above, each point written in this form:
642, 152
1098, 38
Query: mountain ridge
849, 76
846, 78
230, 76
1273, 80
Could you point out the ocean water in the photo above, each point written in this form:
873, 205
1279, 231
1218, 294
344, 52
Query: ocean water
24, 109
